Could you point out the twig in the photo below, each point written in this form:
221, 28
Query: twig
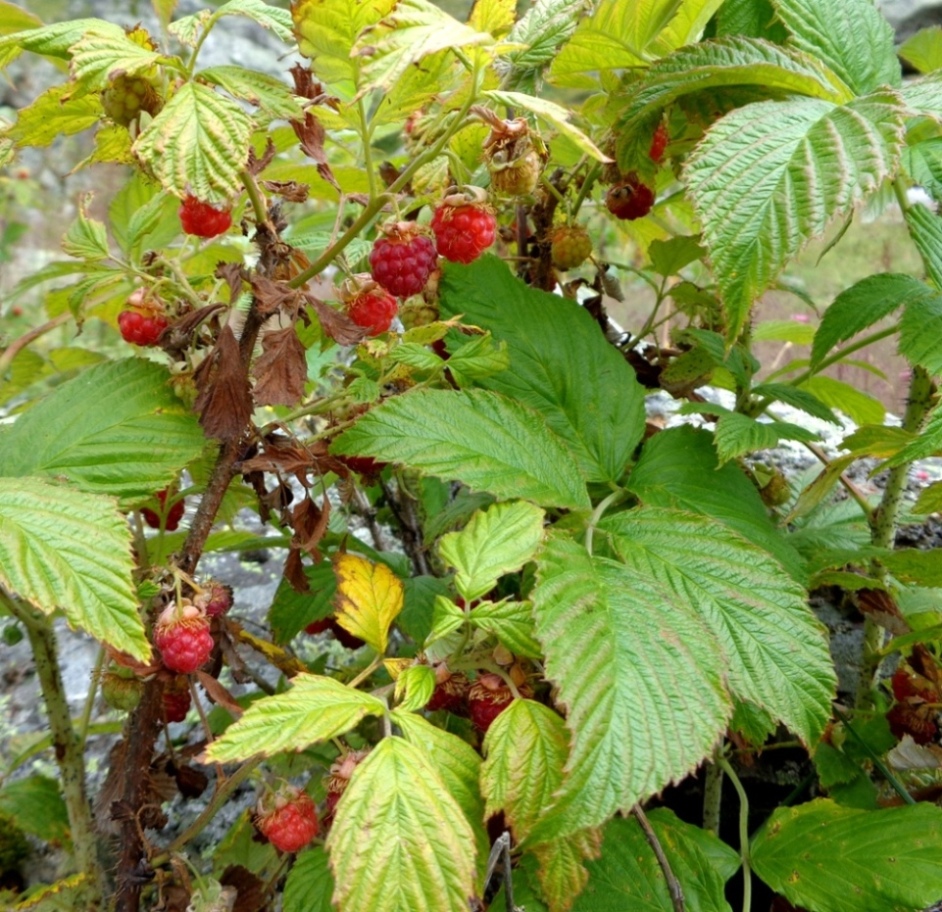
673, 884
712, 798
500, 854
17, 345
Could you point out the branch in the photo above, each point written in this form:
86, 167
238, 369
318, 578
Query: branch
673, 884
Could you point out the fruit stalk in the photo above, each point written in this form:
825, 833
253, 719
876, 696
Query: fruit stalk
66, 745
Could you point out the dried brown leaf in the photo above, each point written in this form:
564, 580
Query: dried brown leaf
219, 694
281, 370
232, 274
250, 889
291, 191
257, 165
224, 400
272, 296
336, 324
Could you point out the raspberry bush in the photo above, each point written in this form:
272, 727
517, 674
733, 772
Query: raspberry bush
525, 628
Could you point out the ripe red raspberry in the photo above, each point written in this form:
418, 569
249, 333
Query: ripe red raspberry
570, 246
907, 684
630, 199
172, 516
182, 636
288, 820
369, 305
203, 219
176, 700
658, 143
488, 697
451, 692
403, 260
141, 328
125, 98
338, 780
463, 230
215, 599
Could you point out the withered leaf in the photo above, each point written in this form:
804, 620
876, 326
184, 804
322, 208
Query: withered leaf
294, 572
219, 694
291, 191
250, 888
282, 455
224, 400
232, 274
881, 608
309, 522
271, 296
336, 324
257, 165
281, 369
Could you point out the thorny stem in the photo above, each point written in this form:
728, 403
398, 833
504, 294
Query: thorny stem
724, 764
88, 708
673, 884
66, 744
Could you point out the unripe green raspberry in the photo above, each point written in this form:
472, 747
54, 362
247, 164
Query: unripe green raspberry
121, 689
127, 96
570, 246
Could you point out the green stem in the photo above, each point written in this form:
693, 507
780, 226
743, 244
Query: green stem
15, 347
374, 207
366, 137
884, 521
832, 359
597, 515
258, 203
712, 798
87, 710
896, 785
725, 766
68, 749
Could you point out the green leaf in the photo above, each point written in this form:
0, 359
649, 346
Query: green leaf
783, 331
413, 30
929, 500
738, 434
67, 549
400, 842
920, 334
52, 114
494, 16
862, 305
457, 764
560, 363
478, 359
268, 16
447, 617
727, 62
328, 29
512, 624
555, 115
920, 568
481, 438
544, 27
753, 18
834, 859
498, 540
260, 89
99, 53
858, 406
314, 709
640, 677
921, 96
291, 611
116, 429
414, 686
15, 19
525, 750
86, 237
763, 182
36, 804
53, 40
670, 256
562, 874
197, 144
850, 36
678, 468
923, 50
309, 885
775, 651
628, 876
925, 229
797, 398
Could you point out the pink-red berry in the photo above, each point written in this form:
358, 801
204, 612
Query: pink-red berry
451, 692
203, 219
403, 259
630, 199
658, 143
488, 697
463, 231
340, 773
288, 820
374, 310
215, 599
341, 634
171, 516
183, 638
141, 328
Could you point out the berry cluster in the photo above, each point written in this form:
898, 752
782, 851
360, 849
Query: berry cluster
203, 219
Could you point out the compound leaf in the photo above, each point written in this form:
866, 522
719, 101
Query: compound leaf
775, 651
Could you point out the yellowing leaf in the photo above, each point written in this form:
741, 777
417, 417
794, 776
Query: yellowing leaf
369, 597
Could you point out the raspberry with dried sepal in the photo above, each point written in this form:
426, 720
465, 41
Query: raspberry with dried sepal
287, 819
203, 219
183, 638
630, 199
